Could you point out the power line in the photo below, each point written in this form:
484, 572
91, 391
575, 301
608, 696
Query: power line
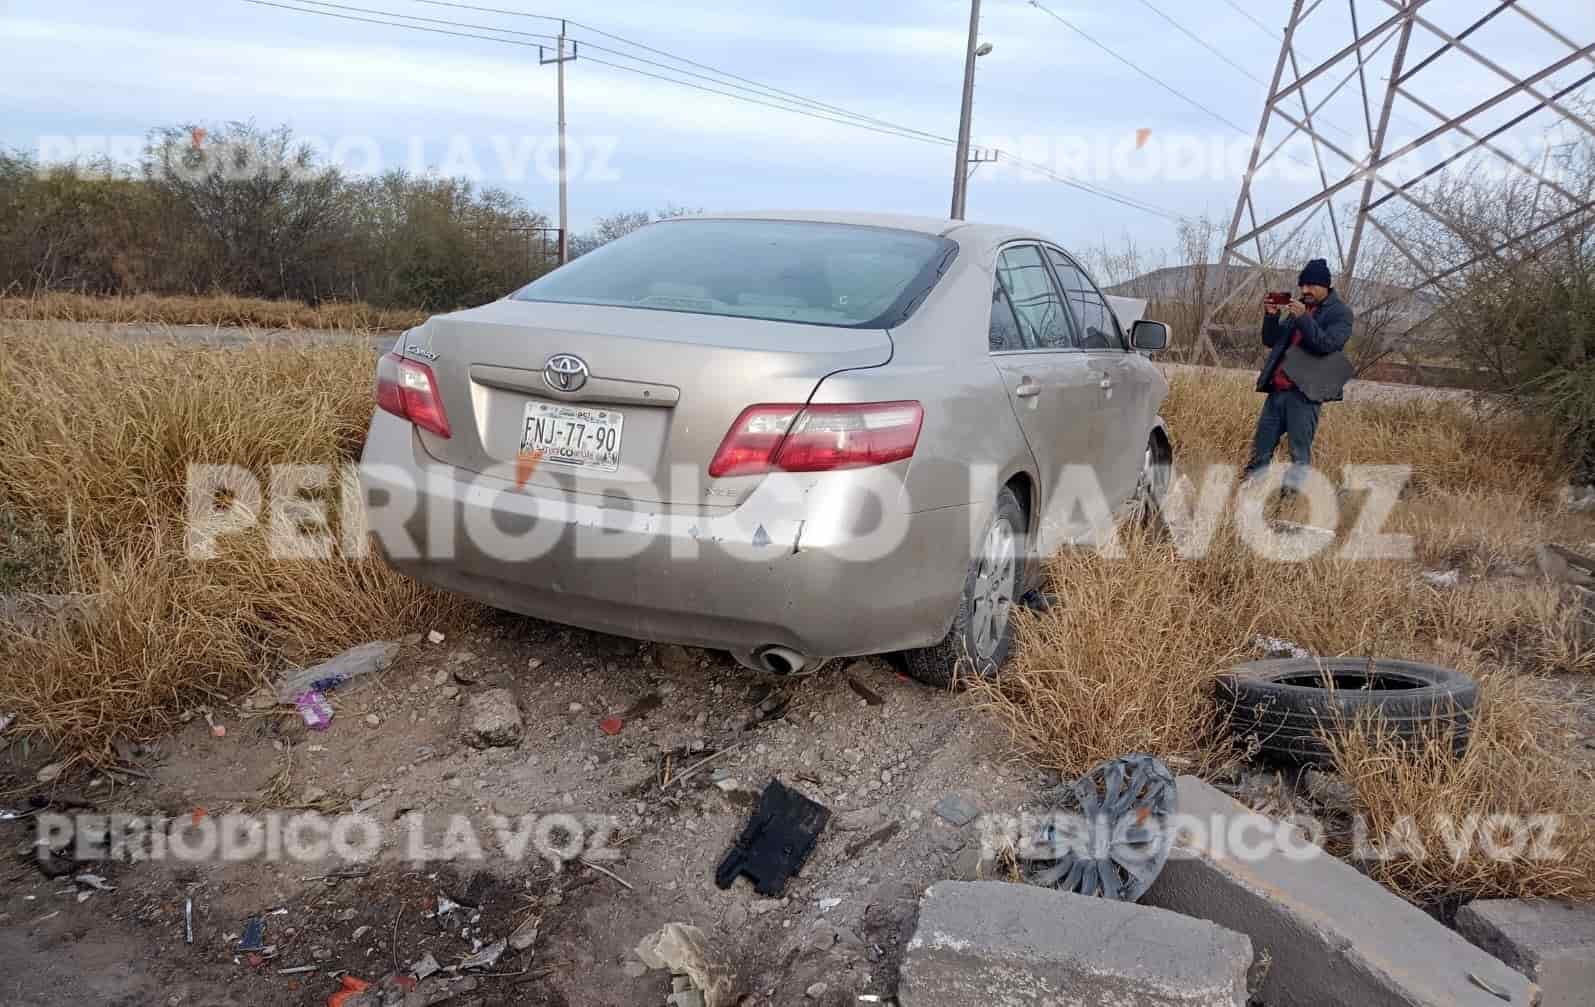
554, 38
1041, 169
853, 119
1087, 187
647, 48
1248, 15
1171, 89
902, 133
1218, 53
1202, 42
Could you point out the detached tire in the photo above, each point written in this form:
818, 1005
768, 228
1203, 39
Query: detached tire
1286, 705
982, 631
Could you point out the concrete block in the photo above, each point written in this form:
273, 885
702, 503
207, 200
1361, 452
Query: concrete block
993, 944
1332, 935
1553, 943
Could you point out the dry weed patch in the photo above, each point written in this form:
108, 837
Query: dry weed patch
100, 434
1126, 660
212, 309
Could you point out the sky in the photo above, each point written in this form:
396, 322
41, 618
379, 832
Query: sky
76, 76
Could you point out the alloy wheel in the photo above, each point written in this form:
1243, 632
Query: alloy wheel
996, 581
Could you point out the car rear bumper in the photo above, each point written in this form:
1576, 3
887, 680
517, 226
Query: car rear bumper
785, 568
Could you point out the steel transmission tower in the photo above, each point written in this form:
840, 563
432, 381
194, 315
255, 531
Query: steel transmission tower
1433, 96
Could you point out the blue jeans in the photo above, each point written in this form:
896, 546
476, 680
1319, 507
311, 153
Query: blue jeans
1291, 415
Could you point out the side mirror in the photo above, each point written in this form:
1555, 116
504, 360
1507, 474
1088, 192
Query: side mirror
1149, 336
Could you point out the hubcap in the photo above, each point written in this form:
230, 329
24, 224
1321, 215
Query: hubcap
995, 583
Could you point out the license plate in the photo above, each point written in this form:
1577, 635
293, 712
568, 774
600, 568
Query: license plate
578, 436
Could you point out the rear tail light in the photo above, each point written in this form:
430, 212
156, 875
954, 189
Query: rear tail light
409, 389
818, 438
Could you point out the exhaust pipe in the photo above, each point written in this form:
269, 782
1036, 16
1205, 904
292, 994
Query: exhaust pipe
780, 660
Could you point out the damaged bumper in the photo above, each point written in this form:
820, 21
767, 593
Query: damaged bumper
826, 570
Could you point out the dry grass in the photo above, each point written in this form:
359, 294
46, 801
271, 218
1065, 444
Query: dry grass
1126, 661
215, 309
100, 433
1513, 790
1449, 444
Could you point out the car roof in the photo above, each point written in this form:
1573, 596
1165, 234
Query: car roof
964, 231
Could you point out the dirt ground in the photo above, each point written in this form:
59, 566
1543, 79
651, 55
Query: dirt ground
881, 769
882, 757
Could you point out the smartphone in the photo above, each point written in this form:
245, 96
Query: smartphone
1278, 299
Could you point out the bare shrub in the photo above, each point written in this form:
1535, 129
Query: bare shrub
246, 211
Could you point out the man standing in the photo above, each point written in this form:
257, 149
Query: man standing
1306, 367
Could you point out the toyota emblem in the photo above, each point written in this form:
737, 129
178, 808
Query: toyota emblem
565, 372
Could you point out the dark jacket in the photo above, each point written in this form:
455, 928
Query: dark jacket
1318, 367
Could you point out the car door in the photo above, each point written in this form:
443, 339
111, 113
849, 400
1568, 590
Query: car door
1123, 388
1051, 386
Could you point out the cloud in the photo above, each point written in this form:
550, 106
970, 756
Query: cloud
391, 90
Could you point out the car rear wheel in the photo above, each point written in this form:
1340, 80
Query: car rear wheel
982, 631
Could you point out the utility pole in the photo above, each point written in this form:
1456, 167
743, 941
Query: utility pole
964, 166
960, 164
564, 204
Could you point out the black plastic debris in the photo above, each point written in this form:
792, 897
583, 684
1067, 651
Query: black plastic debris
776, 840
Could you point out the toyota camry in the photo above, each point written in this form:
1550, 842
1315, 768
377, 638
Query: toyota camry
789, 436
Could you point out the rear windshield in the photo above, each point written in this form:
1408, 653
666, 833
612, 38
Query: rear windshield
778, 270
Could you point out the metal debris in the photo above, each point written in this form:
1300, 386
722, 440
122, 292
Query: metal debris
1442, 578
95, 882
188, 921
424, 966
1273, 646
446, 905
487, 957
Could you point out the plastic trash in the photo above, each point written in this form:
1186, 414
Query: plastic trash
347, 990
314, 710
331, 673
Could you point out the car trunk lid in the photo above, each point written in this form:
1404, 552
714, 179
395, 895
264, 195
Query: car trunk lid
663, 386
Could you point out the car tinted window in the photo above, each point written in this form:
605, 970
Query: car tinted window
1100, 329
1004, 332
790, 271
1043, 323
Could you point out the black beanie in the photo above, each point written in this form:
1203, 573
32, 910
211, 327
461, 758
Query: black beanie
1316, 274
